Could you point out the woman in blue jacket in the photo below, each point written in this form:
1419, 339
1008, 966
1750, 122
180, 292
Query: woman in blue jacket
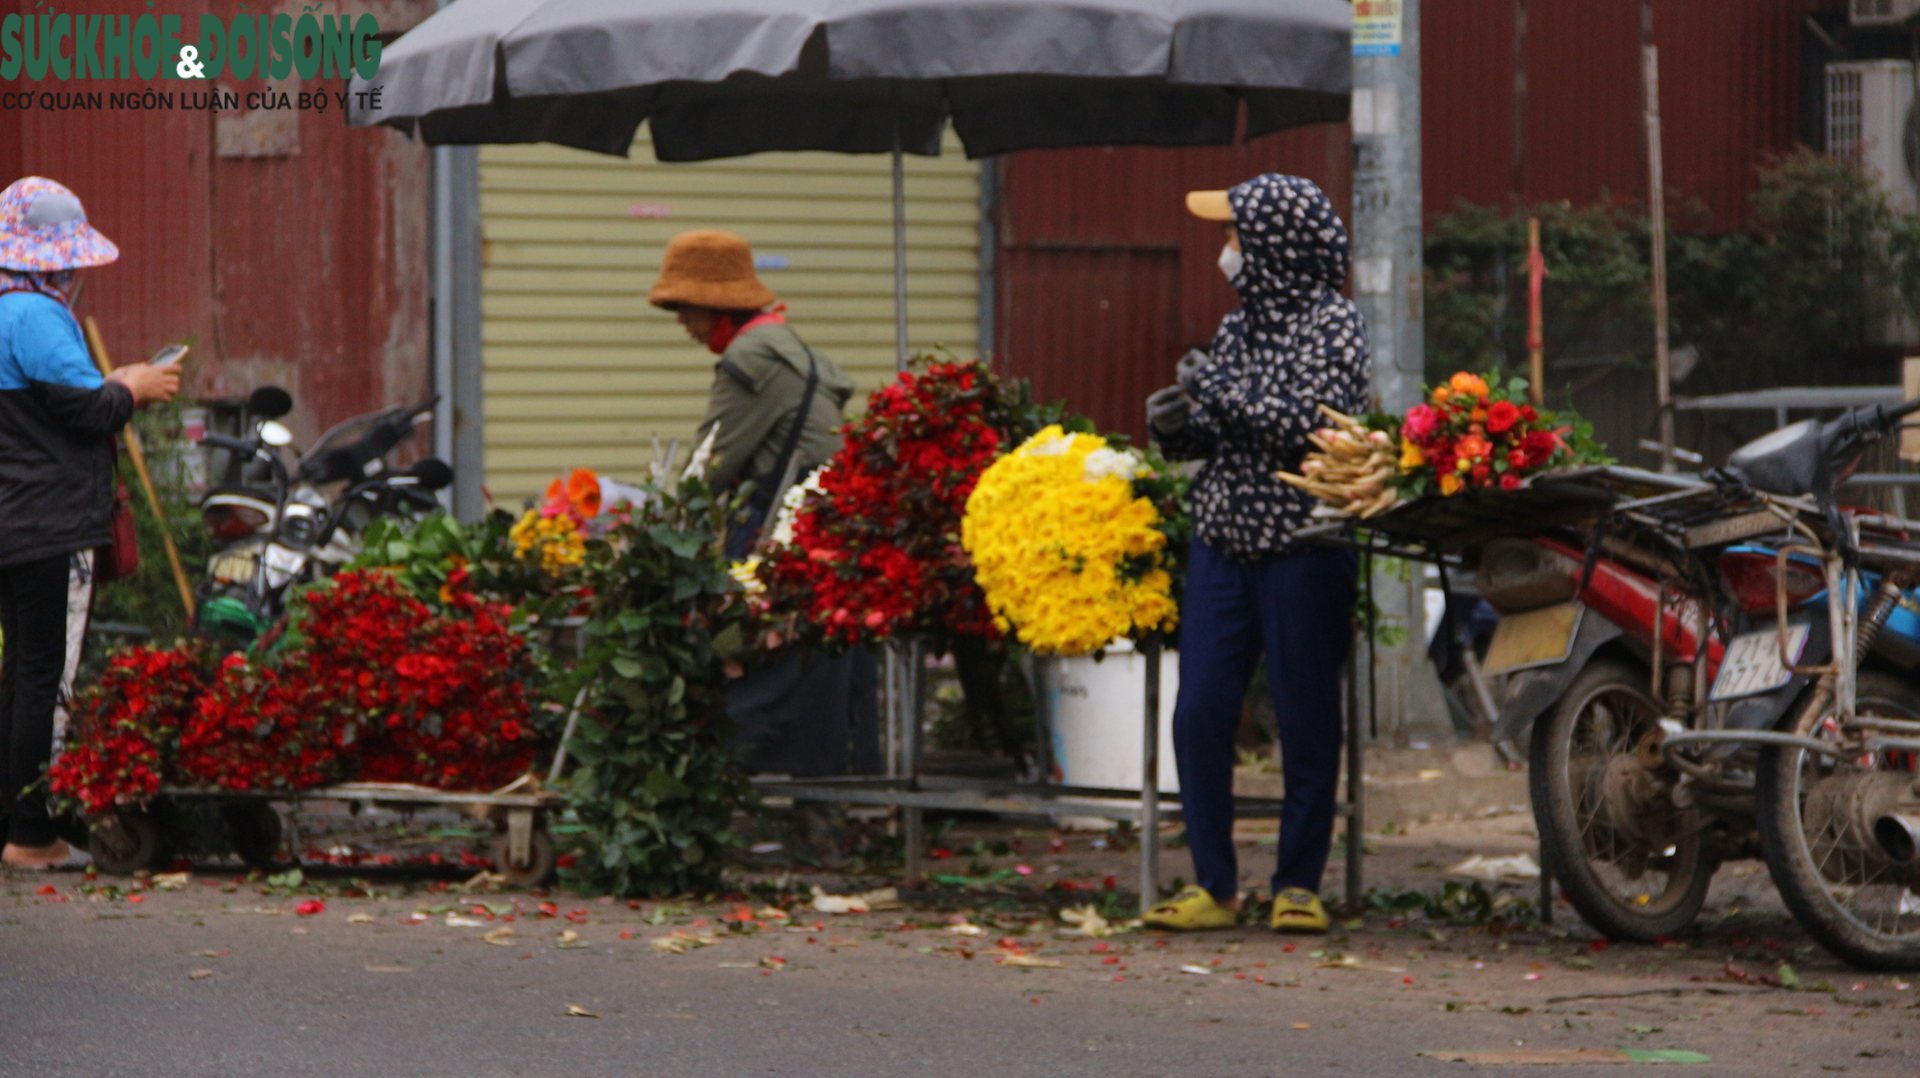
58, 417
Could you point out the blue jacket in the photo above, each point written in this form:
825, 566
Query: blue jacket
57, 422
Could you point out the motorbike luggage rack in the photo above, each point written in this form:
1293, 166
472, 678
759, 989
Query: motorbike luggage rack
1439, 529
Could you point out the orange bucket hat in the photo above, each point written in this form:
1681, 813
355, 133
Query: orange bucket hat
709, 268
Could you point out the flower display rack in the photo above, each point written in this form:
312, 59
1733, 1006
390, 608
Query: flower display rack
914, 792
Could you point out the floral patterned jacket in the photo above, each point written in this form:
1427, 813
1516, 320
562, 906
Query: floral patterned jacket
1294, 343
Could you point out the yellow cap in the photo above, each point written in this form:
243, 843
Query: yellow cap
1209, 205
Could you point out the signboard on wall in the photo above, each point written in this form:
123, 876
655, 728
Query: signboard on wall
1376, 27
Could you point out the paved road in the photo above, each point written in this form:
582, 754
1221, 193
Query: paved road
106, 988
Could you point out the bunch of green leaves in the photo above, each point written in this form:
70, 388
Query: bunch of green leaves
657, 782
1014, 412
425, 553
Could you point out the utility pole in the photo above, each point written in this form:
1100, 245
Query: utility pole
458, 434
1657, 221
1389, 286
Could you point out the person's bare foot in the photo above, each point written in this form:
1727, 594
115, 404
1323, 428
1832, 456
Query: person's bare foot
55, 853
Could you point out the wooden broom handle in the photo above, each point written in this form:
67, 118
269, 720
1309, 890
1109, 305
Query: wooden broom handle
99, 349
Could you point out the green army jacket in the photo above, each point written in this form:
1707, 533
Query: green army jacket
757, 386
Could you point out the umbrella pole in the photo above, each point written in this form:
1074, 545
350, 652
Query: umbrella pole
899, 250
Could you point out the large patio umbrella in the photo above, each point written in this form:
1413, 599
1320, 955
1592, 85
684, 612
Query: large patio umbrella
722, 78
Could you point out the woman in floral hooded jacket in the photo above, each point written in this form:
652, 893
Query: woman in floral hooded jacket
1245, 409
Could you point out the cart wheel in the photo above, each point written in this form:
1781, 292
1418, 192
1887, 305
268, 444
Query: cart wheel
254, 831
123, 842
539, 867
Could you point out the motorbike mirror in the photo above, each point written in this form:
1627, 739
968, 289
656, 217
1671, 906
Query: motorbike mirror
432, 472
270, 402
274, 434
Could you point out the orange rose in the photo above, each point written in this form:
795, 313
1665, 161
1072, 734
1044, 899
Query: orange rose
1450, 484
1471, 385
583, 493
1473, 448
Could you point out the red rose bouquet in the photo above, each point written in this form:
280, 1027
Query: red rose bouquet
869, 548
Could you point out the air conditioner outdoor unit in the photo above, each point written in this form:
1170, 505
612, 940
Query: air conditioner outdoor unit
1881, 12
1871, 119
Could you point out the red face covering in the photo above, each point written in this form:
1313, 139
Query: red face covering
725, 329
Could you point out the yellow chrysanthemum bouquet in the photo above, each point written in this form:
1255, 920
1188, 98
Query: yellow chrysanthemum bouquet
1069, 538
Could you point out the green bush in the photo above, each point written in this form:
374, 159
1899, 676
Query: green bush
150, 597
1786, 300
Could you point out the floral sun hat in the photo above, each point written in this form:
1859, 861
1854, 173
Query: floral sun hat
43, 228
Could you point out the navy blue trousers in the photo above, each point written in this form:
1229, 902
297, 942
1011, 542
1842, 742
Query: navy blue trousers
1299, 609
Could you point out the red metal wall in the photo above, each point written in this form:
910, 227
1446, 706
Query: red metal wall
306, 268
1104, 279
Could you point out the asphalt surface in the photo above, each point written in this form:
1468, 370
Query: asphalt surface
220, 979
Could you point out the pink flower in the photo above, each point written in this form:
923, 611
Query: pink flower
1422, 423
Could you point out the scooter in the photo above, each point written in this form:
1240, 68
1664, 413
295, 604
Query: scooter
1676, 665
280, 529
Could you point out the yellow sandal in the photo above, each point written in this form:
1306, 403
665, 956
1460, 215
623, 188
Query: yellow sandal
1191, 909
1297, 909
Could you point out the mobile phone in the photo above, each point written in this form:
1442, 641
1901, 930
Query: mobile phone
168, 356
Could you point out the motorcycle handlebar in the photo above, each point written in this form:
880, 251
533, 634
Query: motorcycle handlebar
1853, 431
1892, 415
221, 441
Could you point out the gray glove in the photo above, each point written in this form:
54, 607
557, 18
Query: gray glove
1167, 410
1189, 366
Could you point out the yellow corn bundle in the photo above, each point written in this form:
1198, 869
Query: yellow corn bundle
1349, 468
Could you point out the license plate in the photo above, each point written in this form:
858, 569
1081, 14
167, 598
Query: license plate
1536, 638
233, 568
1752, 663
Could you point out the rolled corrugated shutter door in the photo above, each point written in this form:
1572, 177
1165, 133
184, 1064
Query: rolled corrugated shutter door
582, 372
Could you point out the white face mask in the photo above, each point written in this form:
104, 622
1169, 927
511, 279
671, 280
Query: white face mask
1231, 262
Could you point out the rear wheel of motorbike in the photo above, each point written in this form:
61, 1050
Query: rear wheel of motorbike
1816, 831
255, 832
1629, 860
122, 842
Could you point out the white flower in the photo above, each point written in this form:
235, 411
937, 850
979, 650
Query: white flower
1059, 447
1104, 462
790, 503
697, 467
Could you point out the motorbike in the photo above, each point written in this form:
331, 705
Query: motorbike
1723, 669
277, 525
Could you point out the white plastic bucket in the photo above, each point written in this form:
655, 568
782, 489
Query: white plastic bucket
1096, 710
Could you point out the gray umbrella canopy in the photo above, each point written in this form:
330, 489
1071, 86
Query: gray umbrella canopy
720, 78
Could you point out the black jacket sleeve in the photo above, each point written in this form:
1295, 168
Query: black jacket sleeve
88, 412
